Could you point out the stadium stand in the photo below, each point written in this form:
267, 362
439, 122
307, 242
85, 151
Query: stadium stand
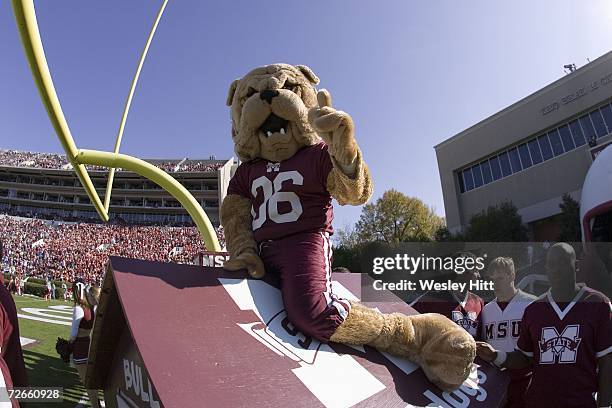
58, 250
43, 185
16, 158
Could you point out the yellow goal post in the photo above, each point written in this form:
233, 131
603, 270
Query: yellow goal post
25, 15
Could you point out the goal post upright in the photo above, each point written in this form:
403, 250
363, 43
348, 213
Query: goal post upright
32, 44
25, 16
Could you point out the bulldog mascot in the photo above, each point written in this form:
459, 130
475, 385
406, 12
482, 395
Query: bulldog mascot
298, 153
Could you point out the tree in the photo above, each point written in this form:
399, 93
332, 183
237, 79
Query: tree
346, 237
348, 257
501, 223
569, 219
347, 249
395, 218
444, 235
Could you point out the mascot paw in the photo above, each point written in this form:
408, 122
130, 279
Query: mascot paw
249, 261
447, 352
444, 350
335, 127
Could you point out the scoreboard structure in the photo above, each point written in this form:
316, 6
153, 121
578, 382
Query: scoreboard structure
169, 335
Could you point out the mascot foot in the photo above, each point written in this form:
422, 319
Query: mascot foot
444, 351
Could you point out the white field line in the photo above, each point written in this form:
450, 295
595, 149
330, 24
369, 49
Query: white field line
25, 341
45, 313
42, 319
64, 308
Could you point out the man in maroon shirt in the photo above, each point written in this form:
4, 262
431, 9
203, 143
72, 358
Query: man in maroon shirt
567, 336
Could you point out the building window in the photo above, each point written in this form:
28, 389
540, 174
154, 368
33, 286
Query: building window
525, 157
587, 127
495, 168
477, 174
555, 142
504, 161
545, 147
598, 122
486, 172
515, 160
577, 134
534, 149
468, 180
607, 115
566, 138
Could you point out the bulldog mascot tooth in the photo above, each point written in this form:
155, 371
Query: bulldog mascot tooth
298, 153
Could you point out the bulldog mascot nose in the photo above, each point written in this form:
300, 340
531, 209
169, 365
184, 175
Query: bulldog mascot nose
298, 153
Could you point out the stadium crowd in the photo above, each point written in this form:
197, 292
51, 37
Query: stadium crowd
68, 251
16, 158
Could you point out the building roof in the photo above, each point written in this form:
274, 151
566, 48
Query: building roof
558, 83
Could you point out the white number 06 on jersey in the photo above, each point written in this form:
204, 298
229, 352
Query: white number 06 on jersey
272, 196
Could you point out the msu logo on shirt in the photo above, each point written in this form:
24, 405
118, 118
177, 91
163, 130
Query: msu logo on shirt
559, 348
270, 167
503, 329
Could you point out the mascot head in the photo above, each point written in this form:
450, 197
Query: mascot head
269, 110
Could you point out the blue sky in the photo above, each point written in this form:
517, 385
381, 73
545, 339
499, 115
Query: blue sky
411, 73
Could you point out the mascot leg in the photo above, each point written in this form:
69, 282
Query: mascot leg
444, 351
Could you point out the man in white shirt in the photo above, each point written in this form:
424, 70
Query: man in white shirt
501, 322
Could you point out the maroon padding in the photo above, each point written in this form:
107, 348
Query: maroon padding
184, 325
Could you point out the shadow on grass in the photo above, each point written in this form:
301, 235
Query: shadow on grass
46, 371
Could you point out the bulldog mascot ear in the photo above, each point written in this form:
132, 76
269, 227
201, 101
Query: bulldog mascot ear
307, 72
228, 102
231, 91
298, 153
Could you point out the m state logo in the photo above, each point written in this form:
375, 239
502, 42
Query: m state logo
469, 321
559, 348
270, 167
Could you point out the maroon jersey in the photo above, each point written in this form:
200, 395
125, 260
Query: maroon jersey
287, 197
5, 374
565, 341
467, 313
11, 345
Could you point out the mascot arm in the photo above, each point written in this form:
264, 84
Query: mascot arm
236, 220
353, 189
349, 181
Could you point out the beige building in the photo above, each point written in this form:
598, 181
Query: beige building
530, 153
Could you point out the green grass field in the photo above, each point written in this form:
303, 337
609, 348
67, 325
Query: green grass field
43, 364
